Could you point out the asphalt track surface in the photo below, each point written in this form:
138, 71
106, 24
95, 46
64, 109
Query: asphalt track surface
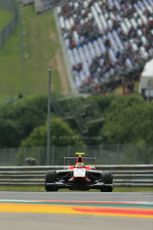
80, 196
61, 211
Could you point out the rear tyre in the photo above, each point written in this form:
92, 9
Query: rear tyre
51, 178
107, 178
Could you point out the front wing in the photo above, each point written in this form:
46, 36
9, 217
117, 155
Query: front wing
98, 185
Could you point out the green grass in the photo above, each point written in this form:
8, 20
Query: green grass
10, 79
134, 189
42, 189
5, 17
27, 54
23, 188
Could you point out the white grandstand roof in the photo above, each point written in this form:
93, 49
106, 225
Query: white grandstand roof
148, 69
146, 81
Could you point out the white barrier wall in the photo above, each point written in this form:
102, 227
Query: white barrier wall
26, 2
124, 175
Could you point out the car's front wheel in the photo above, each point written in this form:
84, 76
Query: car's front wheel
50, 181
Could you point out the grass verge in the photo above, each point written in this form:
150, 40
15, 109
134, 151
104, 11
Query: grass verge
5, 17
27, 54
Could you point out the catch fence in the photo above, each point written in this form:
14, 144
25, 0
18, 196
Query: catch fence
105, 155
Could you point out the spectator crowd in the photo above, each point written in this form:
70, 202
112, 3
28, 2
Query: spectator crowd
106, 40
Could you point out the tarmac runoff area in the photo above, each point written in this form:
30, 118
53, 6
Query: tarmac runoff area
63, 214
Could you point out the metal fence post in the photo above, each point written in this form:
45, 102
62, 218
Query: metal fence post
49, 119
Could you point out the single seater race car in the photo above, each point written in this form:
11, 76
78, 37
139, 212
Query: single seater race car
79, 177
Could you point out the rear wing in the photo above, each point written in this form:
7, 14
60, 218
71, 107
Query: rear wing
87, 160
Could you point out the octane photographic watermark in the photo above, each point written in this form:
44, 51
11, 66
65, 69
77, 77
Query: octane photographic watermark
76, 138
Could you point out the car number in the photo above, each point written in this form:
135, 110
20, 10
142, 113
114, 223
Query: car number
79, 172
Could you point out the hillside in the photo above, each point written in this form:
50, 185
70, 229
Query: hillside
26, 56
4, 17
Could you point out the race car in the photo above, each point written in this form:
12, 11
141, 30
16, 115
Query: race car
79, 177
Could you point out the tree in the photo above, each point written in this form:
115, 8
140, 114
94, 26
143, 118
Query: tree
8, 130
61, 135
124, 120
131, 124
17, 120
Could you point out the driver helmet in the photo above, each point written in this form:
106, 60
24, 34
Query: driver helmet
79, 164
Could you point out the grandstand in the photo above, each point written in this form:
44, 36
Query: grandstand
106, 40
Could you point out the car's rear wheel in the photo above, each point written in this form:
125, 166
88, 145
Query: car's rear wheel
107, 179
51, 178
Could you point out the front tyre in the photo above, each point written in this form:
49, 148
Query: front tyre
51, 178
